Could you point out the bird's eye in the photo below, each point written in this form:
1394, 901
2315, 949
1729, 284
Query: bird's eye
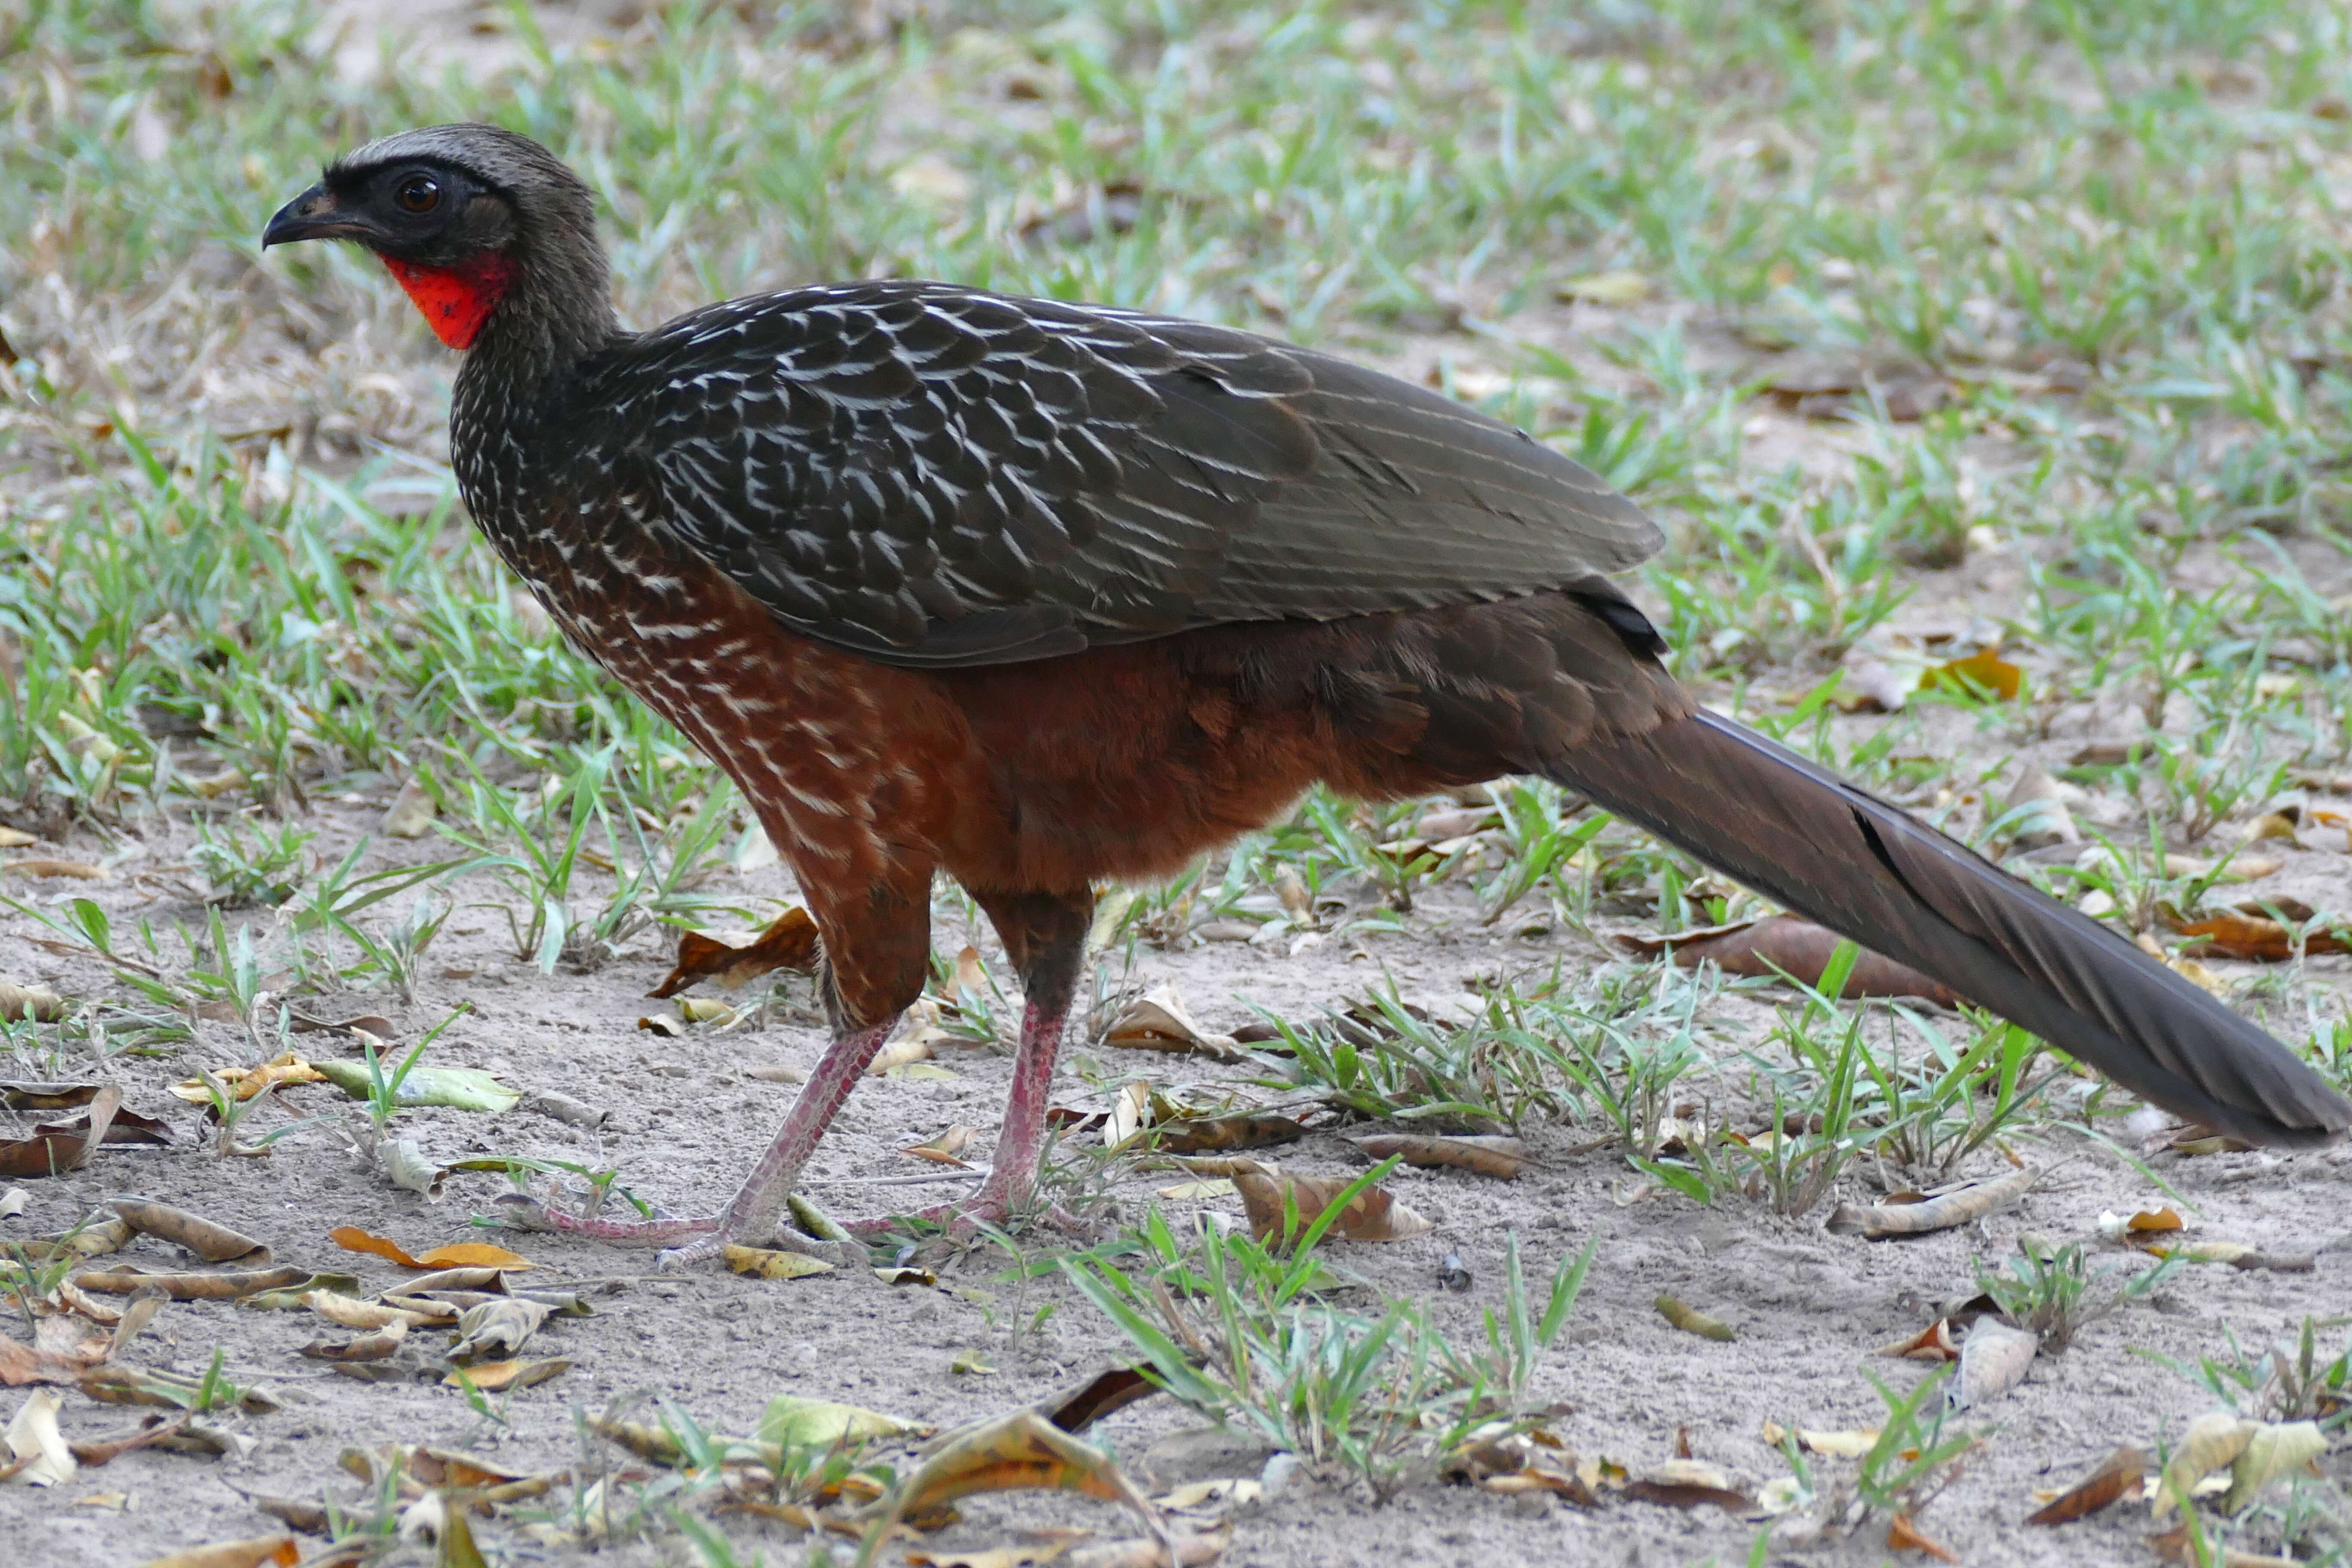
417, 194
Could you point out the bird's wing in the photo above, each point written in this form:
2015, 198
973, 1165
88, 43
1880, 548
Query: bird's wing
939, 476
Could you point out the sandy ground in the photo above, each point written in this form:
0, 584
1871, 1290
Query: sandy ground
1809, 1307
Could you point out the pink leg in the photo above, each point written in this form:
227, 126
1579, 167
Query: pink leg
751, 1215
1012, 1175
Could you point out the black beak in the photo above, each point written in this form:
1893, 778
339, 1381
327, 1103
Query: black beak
313, 214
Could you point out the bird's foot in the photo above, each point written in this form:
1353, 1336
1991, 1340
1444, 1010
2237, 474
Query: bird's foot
962, 1218
684, 1242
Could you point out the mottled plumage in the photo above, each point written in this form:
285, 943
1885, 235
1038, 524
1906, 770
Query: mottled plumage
1040, 594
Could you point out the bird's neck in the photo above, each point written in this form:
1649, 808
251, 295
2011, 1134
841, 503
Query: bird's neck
531, 315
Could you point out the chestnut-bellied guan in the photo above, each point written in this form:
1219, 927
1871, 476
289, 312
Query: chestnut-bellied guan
1042, 595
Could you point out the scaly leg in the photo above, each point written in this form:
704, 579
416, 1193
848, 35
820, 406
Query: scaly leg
1045, 936
751, 1215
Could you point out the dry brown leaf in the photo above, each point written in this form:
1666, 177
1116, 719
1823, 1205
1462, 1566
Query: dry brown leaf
56, 1149
1374, 1215
379, 1345
457, 1255
1786, 943
1901, 1535
2273, 1451
34, 1438
350, 1312
766, 1263
247, 1082
1239, 1129
279, 1550
2213, 1440
1074, 1410
2120, 1475
411, 813
790, 942
189, 1284
498, 1376
1933, 1342
1994, 1359
1129, 1113
498, 1327
1847, 1444
213, 1243
1689, 1483
82, 870
904, 1051
1691, 1320
944, 1149
31, 1004
1960, 1203
1015, 1452
1499, 1157
1157, 1021
2233, 933
21, 1363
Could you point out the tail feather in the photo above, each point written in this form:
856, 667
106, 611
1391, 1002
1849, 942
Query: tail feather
1765, 815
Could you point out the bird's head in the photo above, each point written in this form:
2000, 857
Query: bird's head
463, 216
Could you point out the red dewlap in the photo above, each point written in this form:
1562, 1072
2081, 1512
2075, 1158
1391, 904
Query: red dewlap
456, 301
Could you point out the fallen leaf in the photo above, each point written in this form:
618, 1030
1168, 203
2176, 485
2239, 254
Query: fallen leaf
945, 1149
1495, 1156
498, 1327
1689, 1483
2144, 1222
379, 1345
2258, 938
2120, 1475
1157, 1021
498, 1376
457, 1255
1933, 1342
794, 1422
1691, 1320
1019, 1451
1074, 1410
82, 870
1239, 1129
1960, 1203
350, 1312
1199, 1190
1994, 1358
411, 813
2236, 1253
1786, 943
1984, 668
1373, 1215
247, 1082
973, 1363
790, 942
16, 839
213, 1243
31, 1004
2273, 1451
1611, 289
1901, 1535
32, 1436
765, 1263
279, 1550
189, 1284
903, 1052
459, 1089
2213, 1440
52, 1150
1847, 1444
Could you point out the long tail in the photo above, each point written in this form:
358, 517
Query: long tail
1765, 815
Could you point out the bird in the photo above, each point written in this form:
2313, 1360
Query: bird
1047, 596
